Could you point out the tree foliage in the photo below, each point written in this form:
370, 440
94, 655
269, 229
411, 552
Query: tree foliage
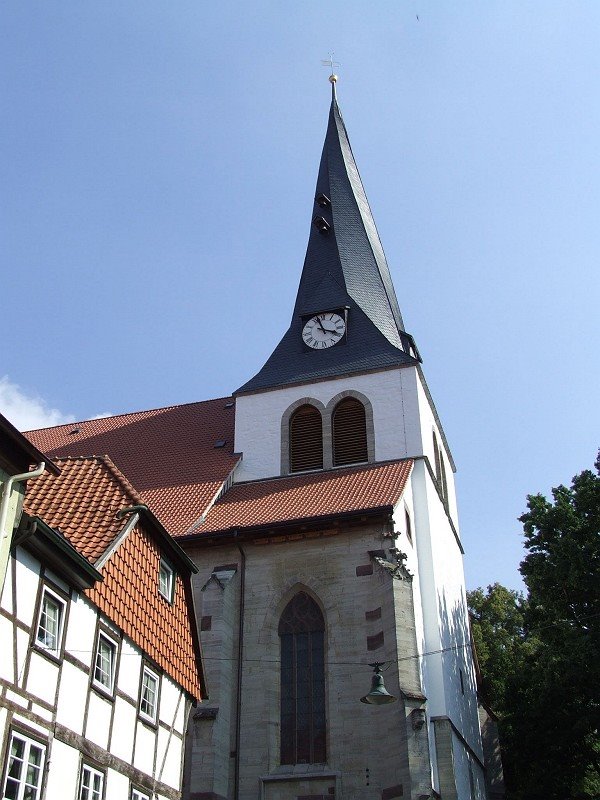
540, 657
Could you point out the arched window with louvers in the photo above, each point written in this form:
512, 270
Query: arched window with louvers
349, 432
306, 439
302, 639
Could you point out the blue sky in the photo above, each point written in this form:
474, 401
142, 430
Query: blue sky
158, 172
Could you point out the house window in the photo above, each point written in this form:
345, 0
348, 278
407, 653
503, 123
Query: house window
25, 769
137, 795
92, 783
166, 580
50, 622
301, 633
149, 695
349, 426
306, 439
105, 663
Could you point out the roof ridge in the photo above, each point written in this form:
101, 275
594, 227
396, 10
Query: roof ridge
130, 413
122, 479
113, 470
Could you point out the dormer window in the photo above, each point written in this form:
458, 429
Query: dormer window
349, 428
321, 225
306, 439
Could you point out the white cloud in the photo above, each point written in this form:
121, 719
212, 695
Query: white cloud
28, 413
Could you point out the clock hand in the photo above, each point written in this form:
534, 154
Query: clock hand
321, 325
330, 330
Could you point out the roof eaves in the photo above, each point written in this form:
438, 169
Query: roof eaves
21, 448
266, 528
170, 545
56, 551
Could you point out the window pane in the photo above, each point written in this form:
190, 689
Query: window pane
148, 702
301, 631
48, 632
166, 580
24, 774
91, 784
105, 659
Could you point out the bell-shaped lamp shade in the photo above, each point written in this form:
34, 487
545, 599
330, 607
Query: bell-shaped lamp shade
378, 696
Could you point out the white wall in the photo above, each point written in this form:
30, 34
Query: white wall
59, 691
393, 396
443, 603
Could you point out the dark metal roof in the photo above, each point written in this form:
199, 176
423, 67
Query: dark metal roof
344, 267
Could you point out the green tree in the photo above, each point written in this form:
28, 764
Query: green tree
540, 656
498, 626
560, 688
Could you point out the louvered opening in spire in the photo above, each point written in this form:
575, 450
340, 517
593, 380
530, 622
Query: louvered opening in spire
349, 433
306, 439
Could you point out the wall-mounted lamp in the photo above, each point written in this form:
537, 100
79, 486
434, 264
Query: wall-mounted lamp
378, 696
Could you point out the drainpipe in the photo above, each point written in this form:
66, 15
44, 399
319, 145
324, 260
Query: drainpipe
25, 476
238, 714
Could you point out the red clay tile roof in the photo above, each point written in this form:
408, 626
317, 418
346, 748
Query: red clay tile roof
168, 454
82, 502
318, 494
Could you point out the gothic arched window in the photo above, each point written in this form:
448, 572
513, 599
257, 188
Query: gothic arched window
306, 439
349, 432
440, 469
302, 633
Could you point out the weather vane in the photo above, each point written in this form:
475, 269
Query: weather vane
329, 62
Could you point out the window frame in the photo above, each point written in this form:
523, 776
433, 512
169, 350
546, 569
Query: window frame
296, 440
22, 782
165, 565
113, 641
147, 670
62, 602
138, 794
94, 772
338, 444
303, 714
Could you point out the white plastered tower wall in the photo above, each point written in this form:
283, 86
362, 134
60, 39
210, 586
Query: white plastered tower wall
391, 393
405, 425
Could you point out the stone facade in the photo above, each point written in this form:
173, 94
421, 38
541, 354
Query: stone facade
369, 617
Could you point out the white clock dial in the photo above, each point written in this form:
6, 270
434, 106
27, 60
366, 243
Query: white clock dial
323, 330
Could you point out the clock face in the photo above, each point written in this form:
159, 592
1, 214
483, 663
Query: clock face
323, 330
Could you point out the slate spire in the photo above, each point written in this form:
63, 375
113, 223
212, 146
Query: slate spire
344, 268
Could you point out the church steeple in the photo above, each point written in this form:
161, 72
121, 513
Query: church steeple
345, 272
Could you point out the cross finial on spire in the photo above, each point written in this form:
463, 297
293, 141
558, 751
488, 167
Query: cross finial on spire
329, 62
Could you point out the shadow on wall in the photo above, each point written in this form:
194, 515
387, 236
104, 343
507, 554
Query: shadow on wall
458, 670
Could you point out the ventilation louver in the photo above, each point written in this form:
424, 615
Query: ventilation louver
349, 433
306, 439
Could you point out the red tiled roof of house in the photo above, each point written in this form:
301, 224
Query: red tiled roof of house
168, 454
82, 502
302, 497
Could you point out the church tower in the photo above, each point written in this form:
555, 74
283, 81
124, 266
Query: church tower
333, 547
